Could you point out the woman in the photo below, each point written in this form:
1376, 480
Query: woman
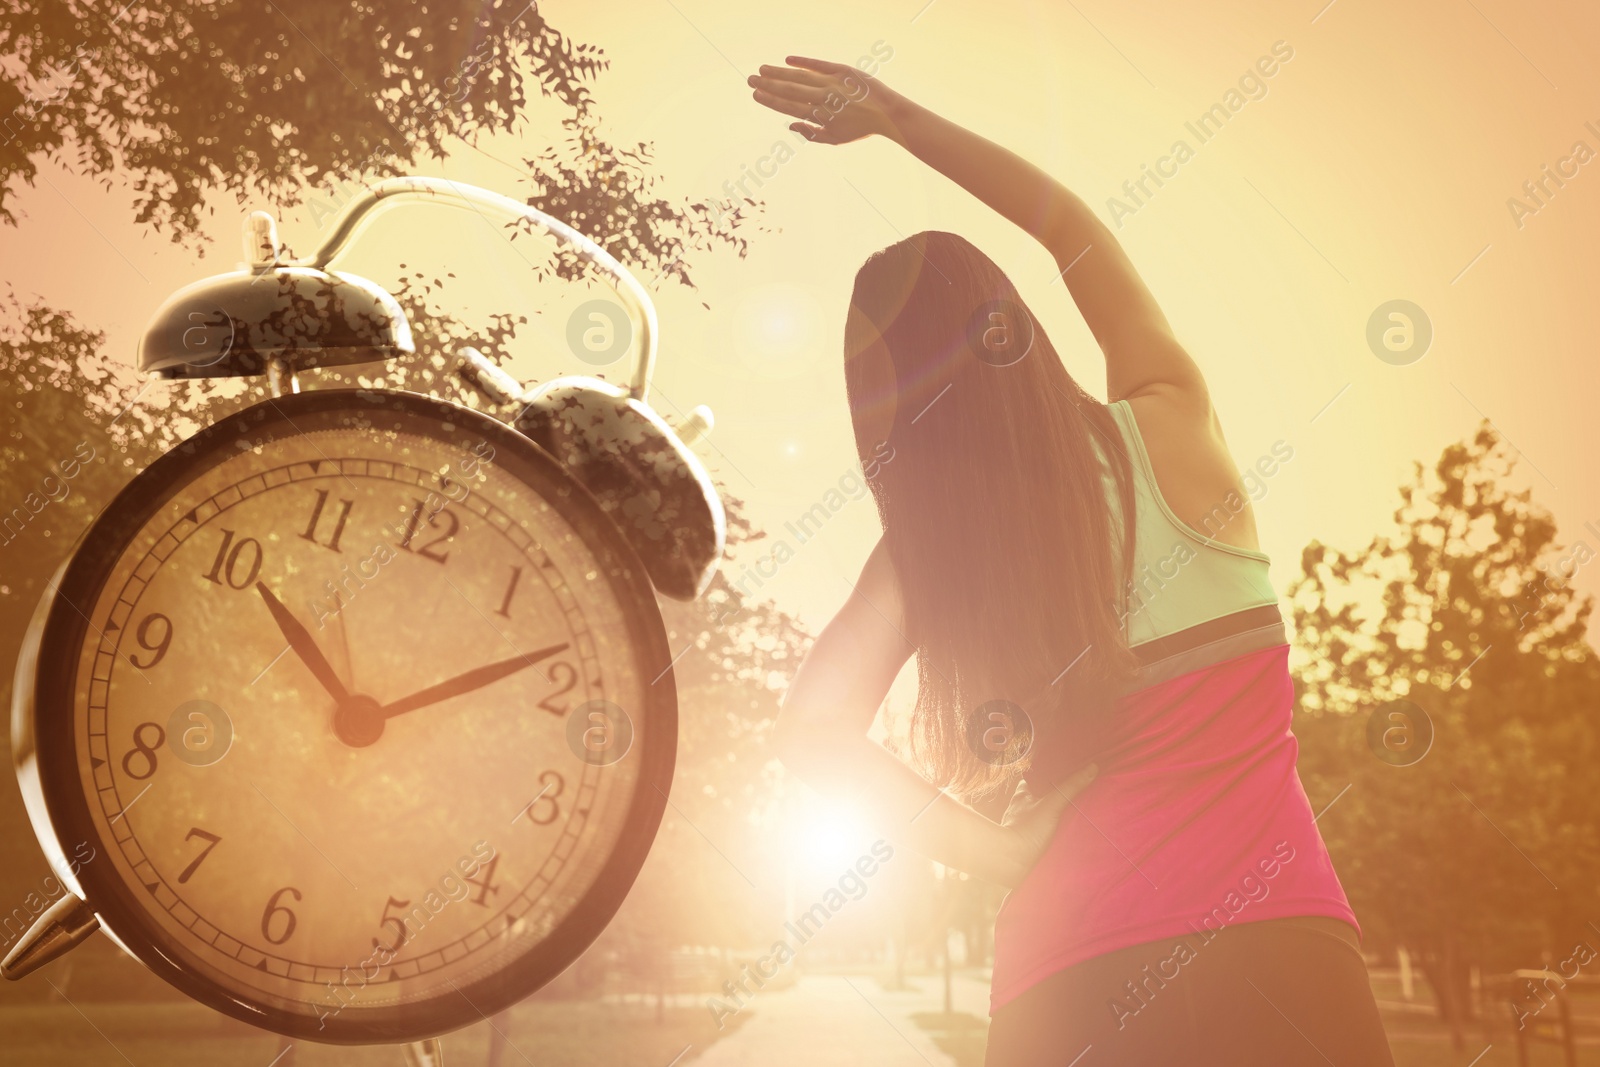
1171, 899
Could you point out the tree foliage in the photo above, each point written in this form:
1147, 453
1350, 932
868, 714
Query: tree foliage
1481, 852
259, 96
280, 99
292, 102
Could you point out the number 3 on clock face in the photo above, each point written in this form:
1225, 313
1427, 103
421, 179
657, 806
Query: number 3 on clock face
307, 684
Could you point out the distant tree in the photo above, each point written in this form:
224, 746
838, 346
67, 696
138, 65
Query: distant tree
294, 102
286, 101
260, 97
63, 430
1481, 853
714, 877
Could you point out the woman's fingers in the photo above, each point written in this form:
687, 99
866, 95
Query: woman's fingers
811, 132
787, 89
1076, 783
812, 78
823, 65
798, 108
1021, 803
818, 134
1058, 798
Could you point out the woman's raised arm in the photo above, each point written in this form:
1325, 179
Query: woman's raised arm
836, 103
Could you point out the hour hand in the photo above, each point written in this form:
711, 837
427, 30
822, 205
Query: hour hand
466, 683
304, 646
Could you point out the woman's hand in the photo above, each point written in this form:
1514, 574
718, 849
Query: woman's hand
1029, 827
839, 102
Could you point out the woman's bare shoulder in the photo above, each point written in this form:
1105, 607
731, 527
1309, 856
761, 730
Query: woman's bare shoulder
1194, 469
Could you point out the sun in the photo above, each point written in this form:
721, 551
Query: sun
827, 838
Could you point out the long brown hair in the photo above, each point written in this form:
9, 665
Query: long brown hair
994, 509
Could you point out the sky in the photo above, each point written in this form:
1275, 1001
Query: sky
1383, 159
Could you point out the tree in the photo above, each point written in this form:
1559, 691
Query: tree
1480, 853
293, 102
258, 97
710, 879
266, 99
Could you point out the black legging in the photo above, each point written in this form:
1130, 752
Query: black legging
1279, 993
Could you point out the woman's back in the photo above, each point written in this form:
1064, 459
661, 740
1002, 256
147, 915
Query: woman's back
1197, 818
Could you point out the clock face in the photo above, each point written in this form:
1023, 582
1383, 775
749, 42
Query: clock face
368, 709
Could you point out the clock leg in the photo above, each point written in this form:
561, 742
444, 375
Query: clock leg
427, 1053
497, 1037
58, 930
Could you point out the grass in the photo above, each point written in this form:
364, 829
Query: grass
1416, 1040
556, 1033
959, 1035
549, 1033
1412, 1053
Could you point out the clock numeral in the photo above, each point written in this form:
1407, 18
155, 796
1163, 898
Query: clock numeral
229, 555
338, 524
204, 835
144, 749
398, 923
565, 675
274, 909
430, 550
543, 809
483, 881
504, 610
158, 650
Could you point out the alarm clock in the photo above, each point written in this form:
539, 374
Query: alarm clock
361, 699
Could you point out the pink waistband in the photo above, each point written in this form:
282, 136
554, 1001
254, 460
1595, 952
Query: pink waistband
1196, 820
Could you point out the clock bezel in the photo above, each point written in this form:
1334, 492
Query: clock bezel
65, 629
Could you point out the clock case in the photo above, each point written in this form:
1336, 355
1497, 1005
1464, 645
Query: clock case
43, 715
595, 449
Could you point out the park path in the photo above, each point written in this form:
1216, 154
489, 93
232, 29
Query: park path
843, 1019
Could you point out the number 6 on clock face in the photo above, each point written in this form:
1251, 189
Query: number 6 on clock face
387, 608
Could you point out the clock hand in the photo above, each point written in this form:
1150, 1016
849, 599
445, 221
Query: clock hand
304, 646
466, 683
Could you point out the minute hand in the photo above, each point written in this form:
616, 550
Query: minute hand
466, 683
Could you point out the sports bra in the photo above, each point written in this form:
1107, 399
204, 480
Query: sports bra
1181, 577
